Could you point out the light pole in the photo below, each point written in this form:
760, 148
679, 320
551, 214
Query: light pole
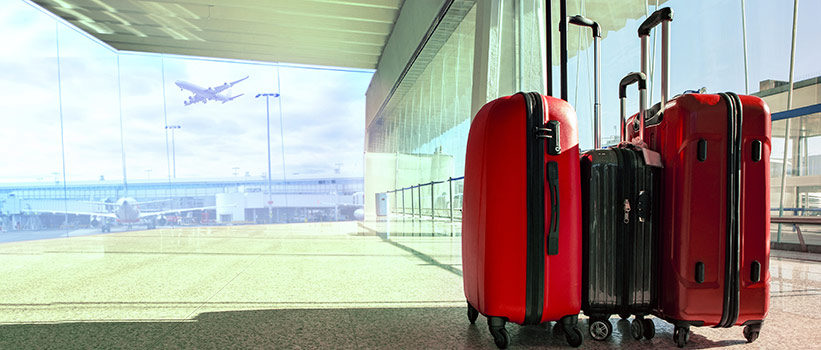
173, 147
268, 132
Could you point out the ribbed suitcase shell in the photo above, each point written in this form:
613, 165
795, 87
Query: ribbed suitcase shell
694, 210
494, 217
619, 245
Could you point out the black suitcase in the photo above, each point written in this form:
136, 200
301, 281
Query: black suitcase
619, 235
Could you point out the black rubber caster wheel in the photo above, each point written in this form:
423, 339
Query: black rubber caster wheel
636, 329
498, 331
751, 333
680, 336
500, 337
600, 329
624, 316
649, 328
573, 336
473, 314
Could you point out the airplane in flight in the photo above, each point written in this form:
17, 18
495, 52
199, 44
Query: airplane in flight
126, 211
205, 94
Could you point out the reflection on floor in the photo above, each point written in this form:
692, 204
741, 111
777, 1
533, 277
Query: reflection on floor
32, 235
391, 285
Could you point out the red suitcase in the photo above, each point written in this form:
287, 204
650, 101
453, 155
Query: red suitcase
715, 234
521, 219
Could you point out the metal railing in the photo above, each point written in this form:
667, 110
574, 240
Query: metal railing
435, 199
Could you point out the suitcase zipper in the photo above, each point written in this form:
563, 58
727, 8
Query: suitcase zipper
736, 234
535, 283
732, 255
628, 231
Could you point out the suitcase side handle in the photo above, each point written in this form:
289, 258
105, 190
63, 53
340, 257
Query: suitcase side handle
583, 21
552, 174
661, 16
629, 79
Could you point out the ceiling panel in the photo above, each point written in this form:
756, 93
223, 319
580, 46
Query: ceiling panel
343, 33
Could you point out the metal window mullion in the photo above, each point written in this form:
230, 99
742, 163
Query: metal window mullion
432, 209
787, 121
450, 196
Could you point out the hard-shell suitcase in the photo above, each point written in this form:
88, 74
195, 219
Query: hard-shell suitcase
619, 232
521, 219
716, 203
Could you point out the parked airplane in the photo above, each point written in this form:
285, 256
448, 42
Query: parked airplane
126, 211
204, 94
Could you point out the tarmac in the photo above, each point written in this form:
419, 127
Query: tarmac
345, 285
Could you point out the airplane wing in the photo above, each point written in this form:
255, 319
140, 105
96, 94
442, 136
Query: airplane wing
226, 86
231, 98
40, 211
152, 202
100, 203
163, 212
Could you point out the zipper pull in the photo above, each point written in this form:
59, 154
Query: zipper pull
626, 211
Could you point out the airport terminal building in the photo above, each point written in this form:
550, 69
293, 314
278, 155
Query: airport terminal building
236, 200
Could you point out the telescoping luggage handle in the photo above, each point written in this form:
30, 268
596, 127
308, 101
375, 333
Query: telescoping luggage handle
580, 20
662, 16
635, 77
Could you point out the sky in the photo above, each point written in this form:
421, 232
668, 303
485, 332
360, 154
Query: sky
323, 111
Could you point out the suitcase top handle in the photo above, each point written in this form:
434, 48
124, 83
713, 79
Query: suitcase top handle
635, 77
583, 21
662, 16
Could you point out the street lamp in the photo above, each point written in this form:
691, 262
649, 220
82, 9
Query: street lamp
268, 132
173, 148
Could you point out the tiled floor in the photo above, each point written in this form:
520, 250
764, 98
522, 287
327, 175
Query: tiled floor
384, 285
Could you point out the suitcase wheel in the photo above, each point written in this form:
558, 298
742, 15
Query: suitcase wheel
498, 331
573, 336
600, 329
637, 329
473, 314
751, 332
681, 335
649, 328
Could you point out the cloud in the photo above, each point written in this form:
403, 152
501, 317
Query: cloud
322, 111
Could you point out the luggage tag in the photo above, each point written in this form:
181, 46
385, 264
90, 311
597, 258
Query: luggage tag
652, 158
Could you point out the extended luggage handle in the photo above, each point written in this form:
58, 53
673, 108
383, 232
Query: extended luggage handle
580, 20
661, 16
629, 79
